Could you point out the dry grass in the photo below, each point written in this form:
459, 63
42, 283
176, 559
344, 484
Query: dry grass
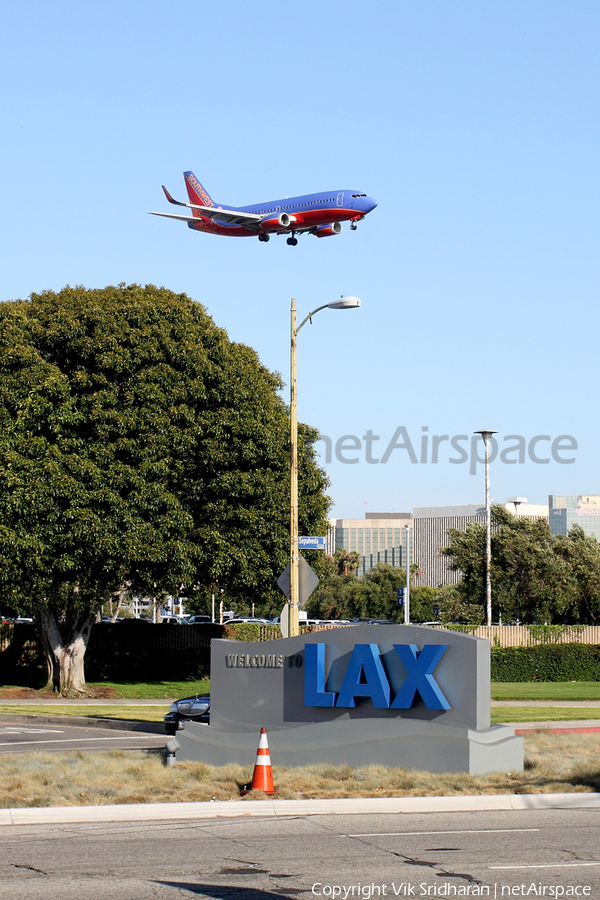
129, 713
554, 763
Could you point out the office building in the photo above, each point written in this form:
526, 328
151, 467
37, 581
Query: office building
567, 510
431, 526
377, 538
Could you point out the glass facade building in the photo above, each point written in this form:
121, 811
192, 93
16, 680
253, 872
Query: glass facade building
566, 510
376, 538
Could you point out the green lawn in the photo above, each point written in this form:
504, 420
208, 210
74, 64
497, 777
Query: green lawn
150, 690
543, 713
136, 690
555, 690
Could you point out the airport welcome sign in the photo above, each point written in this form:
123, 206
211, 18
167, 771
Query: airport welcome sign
395, 695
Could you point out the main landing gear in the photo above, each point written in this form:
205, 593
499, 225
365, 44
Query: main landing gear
264, 237
292, 241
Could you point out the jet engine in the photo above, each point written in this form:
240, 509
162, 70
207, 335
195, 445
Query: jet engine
328, 230
286, 220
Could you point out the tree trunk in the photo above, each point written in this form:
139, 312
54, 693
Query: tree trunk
65, 649
119, 594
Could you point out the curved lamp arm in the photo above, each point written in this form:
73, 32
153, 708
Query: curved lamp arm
342, 303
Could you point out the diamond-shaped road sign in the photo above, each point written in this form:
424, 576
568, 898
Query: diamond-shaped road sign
307, 581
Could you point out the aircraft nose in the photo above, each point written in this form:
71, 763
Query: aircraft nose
370, 204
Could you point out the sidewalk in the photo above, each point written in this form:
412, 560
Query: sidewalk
584, 704
153, 812
573, 704
89, 702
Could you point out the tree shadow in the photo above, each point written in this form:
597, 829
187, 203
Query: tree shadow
229, 892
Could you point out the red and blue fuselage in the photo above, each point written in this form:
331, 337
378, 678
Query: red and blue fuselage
319, 214
309, 211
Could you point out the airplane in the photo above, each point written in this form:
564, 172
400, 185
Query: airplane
319, 214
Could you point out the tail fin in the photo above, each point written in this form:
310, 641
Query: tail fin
196, 192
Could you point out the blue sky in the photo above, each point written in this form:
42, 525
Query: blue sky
475, 126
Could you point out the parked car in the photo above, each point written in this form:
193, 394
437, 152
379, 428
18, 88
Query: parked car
250, 619
200, 620
174, 620
23, 620
131, 620
191, 709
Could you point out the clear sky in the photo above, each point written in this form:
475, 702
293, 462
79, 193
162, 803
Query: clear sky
474, 125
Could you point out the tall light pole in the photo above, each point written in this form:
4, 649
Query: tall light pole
342, 303
407, 590
487, 435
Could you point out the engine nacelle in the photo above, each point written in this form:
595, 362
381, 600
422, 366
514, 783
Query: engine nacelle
286, 220
328, 230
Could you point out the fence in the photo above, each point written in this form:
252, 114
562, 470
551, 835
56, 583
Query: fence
137, 650
532, 635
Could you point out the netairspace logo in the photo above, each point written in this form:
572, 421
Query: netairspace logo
436, 448
446, 889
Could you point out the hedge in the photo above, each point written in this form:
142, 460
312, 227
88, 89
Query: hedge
547, 662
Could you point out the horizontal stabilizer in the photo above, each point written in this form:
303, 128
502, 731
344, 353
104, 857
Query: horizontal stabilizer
175, 216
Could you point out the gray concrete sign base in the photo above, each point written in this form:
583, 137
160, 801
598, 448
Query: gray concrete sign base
392, 695
408, 743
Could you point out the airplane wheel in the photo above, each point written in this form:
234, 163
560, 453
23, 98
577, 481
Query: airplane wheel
264, 237
353, 227
292, 241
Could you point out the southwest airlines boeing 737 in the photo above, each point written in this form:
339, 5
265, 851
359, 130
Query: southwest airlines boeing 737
318, 214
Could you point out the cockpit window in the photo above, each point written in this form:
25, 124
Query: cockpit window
359, 195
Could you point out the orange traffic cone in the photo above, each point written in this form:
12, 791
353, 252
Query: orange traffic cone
262, 779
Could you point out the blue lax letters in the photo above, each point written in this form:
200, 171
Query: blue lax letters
314, 677
419, 667
365, 659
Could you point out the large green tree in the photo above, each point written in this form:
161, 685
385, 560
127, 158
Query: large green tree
139, 449
536, 576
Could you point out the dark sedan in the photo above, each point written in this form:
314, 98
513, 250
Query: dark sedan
192, 709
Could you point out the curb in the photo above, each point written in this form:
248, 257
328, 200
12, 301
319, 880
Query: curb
85, 721
56, 815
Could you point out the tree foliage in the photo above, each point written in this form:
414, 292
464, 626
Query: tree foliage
138, 446
375, 596
536, 576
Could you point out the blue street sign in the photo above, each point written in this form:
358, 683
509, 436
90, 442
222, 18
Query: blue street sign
436, 611
312, 543
400, 594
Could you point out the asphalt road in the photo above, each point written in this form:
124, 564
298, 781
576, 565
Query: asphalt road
18, 738
495, 854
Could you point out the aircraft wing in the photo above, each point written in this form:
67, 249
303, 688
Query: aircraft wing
230, 216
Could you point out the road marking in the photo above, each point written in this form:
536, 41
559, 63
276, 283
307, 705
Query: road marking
549, 866
75, 740
31, 731
466, 831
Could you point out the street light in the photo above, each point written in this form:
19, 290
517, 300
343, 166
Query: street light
342, 303
487, 435
407, 590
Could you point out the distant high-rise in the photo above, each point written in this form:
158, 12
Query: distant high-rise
377, 538
431, 526
567, 510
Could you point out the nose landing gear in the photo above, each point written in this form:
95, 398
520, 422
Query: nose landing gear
353, 226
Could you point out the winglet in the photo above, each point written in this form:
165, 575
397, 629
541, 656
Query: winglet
169, 198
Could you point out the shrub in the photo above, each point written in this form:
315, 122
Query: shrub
546, 662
